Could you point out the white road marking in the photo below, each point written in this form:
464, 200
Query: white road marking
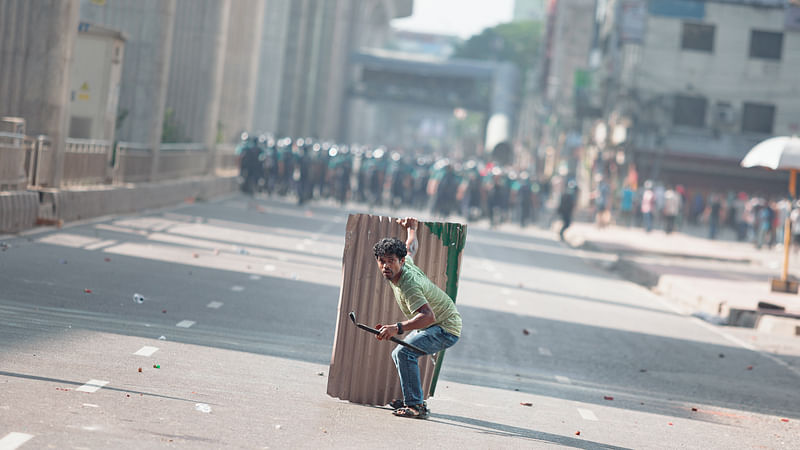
587, 414
545, 352
215, 305
14, 440
146, 351
91, 405
237, 288
202, 407
99, 245
563, 380
92, 386
185, 323
255, 277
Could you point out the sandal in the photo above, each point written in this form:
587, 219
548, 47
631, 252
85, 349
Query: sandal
413, 412
397, 403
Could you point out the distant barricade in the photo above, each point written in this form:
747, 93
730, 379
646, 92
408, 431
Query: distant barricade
182, 160
86, 161
133, 162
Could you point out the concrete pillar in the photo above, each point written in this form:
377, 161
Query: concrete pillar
239, 85
502, 107
36, 44
196, 69
149, 26
271, 65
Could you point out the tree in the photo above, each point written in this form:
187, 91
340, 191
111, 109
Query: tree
516, 42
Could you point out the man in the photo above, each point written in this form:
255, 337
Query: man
566, 206
428, 310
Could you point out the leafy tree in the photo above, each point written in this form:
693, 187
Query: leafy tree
516, 42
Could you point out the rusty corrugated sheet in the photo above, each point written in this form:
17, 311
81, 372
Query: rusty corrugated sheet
362, 370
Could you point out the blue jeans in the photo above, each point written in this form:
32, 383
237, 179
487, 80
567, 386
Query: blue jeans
432, 340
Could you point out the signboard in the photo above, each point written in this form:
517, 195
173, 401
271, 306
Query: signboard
633, 17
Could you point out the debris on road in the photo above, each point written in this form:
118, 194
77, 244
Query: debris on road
608, 397
749, 367
525, 331
62, 261
195, 255
162, 338
784, 420
88, 291
277, 427
107, 259
526, 404
694, 409
669, 423
61, 389
202, 407
138, 298
721, 355
156, 366
163, 311
322, 374
642, 370
577, 433
140, 370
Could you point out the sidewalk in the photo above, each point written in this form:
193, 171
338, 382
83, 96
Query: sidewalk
720, 281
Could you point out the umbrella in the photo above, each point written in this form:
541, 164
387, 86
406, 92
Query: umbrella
775, 153
779, 153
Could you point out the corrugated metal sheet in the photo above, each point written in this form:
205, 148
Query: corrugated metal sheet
362, 370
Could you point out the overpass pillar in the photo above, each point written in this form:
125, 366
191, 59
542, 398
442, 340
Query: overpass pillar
499, 126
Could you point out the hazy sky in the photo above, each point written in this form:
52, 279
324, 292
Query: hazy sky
459, 17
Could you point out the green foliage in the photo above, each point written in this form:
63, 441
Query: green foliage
170, 130
516, 42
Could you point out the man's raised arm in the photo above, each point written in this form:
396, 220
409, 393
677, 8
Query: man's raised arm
410, 224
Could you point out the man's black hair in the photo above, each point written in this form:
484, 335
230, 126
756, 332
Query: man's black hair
390, 246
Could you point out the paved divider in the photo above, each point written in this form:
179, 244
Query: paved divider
21, 210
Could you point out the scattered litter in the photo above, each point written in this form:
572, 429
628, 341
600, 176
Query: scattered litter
189, 200
156, 366
577, 433
525, 331
91, 405
749, 367
127, 395
216, 251
694, 409
608, 397
669, 423
62, 261
162, 338
140, 370
322, 374
195, 255
3, 246
202, 407
721, 355
277, 427
61, 389
107, 259
294, 276
526, 404
784, 420
138, 298
243, 251
88, 291
255, 277
163, 311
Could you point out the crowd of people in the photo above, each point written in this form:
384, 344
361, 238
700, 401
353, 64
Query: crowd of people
751, 218
307, 170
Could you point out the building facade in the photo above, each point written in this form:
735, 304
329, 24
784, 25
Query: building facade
688, 87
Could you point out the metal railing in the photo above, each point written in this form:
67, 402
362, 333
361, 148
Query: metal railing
133, 162
12, 161
182, 160
86, 161
38, 160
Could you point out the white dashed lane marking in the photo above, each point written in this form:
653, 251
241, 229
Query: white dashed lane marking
544, 352
14, 440
587, 414
237, 288
215, 305
92, 386
563, 380
185, 323
146, 351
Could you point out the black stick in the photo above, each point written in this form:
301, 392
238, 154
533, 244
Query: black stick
393, 339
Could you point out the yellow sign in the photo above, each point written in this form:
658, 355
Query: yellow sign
85, 86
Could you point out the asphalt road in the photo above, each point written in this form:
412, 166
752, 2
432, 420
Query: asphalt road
239, 313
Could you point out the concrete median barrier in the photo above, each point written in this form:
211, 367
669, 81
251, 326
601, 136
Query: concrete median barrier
18, 210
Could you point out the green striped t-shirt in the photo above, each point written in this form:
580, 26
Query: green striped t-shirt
414, 289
